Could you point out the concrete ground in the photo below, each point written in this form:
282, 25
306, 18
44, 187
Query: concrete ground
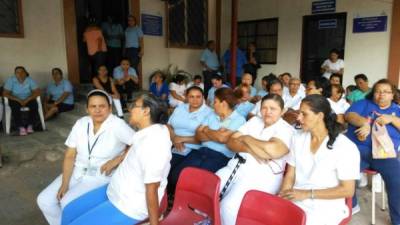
32, 162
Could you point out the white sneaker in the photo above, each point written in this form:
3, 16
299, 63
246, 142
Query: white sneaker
363, 180
356, 209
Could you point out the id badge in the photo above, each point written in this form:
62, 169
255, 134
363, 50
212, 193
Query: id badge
90, 171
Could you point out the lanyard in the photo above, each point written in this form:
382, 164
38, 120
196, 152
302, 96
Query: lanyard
90, 149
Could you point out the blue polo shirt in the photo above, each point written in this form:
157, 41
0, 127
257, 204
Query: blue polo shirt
132, 35
244, 108
163, 90
262, 93
185, 123
214, 122
366, 108
240, 61
211, 93
253, 91
118, 73
20, 90
56, 91
210, 59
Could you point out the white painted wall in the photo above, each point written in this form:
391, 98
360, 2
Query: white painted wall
364, 53
43, 46
158, 56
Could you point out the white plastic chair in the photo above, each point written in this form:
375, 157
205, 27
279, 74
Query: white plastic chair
374, 190
7, 114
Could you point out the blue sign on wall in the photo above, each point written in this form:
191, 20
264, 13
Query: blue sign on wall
152, 25
325, 6
370, 24
327, 24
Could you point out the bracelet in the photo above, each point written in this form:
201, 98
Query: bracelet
312, 194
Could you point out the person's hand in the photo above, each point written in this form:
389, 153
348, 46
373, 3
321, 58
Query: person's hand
141, 54
224, 134
384, 119
295, 194
61, 192
23, 102
363, 132
178, 143
109, 166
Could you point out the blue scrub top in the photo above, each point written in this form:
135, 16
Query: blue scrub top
262, 93
20, 90
244, 108
113, 33
163, 90
211, 93
210, 59
213, 121
240, 61
366, 108
253, 91
118, 73
56, 91
132, 36
185, 123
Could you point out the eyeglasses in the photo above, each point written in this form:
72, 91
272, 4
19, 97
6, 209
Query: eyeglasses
383, 92
275, 167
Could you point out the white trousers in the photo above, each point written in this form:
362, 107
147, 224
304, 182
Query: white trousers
118, 107
52, 208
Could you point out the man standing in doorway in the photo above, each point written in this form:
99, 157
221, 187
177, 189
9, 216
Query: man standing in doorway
133, 42
210, 63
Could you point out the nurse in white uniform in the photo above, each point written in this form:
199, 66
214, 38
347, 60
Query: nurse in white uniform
267, 136
323, 165
139, 183
95, 147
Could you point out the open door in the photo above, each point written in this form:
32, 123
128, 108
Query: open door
321, 33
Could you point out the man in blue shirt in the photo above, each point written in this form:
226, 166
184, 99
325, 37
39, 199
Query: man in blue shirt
240, 62
210, 63
134, 47
113, 33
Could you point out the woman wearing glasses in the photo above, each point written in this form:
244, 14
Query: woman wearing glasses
322, 166
261, 145
379, 106
95, 147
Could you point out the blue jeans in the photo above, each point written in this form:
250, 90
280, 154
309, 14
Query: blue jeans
204, 158
390, 172
94, 208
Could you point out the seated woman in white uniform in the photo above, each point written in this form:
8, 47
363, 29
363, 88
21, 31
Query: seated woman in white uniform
139, 183
267, 136
95, 147
323, 165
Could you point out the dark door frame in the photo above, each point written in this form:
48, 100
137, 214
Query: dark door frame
71, 42
304, 33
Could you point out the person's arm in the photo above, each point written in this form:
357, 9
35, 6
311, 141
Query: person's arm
62, 98
152, 202
115, 93
356, 120
384, 119
68, 166
235, 143
97, 84
288, 180
200, 135
345, 189
176, 96
7, 94
222, 135
110, 165
274, 148
35, 93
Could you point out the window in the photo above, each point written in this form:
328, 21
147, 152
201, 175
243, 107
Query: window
187, 23
11, 18
264, 33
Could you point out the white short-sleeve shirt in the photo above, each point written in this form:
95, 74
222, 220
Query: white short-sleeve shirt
339, 107
323, 170
264, 177
179, 89
293, 102
148, 161
336, 66
112, 138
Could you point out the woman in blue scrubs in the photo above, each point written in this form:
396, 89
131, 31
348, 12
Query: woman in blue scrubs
182, 124
379, 106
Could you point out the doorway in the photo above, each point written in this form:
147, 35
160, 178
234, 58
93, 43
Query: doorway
321, 33
100, 10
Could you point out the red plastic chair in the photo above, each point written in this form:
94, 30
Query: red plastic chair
162, 210
261, 208
349, 203
198, 189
